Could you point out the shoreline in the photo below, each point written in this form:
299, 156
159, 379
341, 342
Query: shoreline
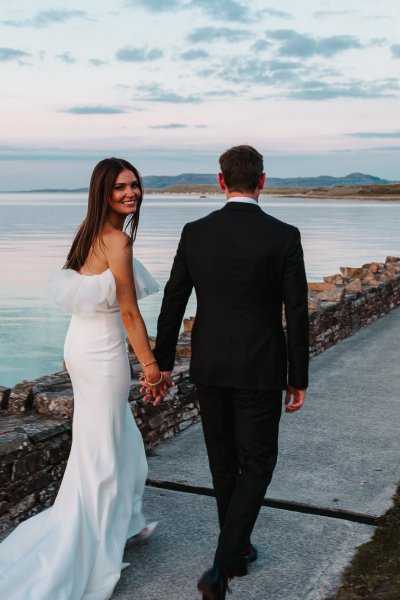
377, 198
375, 193
297, 195
380, 193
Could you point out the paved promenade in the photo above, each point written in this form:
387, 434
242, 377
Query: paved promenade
341, 450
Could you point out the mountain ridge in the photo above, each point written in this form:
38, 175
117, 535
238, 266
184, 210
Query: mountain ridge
159, 182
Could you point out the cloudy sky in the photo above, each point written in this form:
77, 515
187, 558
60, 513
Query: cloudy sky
169, 84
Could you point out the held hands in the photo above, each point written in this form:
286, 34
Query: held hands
159, 388
294, 399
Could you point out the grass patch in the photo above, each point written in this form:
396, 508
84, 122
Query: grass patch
374, 572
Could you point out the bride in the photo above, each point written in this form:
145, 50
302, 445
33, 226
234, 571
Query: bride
73, 550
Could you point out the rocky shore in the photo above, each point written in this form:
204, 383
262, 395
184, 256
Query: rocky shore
35, 416
387, 192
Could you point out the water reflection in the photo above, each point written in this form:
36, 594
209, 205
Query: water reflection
36, 232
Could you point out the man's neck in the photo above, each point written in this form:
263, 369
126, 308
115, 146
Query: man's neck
254, 195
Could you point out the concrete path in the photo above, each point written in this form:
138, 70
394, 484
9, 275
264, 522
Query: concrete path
341, 450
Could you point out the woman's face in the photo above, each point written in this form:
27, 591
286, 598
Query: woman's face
126, 193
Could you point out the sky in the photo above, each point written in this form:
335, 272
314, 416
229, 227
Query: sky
170, 84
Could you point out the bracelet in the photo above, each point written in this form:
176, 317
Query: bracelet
149, 363
153, 384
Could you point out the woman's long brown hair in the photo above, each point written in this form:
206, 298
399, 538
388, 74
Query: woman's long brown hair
101, 186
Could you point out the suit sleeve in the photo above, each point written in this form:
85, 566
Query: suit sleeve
295, 297
176, 295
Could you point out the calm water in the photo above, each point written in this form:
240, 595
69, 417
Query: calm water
36, 231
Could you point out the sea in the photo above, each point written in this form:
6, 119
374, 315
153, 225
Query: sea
36, 230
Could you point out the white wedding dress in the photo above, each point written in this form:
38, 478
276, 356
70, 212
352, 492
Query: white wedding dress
73, 550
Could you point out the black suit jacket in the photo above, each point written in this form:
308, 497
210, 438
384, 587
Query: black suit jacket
244, 264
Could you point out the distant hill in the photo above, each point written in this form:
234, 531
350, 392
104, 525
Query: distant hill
54, 191
156, 182
159, 182
328, 181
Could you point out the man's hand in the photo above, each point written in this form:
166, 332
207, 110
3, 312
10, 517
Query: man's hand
294, 399
166, 383
157, 392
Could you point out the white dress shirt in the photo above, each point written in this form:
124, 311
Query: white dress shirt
245, 199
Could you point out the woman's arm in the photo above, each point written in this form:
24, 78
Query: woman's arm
118, 252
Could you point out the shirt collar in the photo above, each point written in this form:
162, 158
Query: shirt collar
244, 199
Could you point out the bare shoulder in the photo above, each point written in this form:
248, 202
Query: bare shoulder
116, 240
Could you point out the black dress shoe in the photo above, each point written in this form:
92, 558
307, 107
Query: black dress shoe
251, 554
213, 584
241, 568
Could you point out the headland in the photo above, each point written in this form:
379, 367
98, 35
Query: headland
385, 192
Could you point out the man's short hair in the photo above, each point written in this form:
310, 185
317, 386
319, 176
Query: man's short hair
242, 167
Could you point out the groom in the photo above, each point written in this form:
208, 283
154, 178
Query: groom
244, 265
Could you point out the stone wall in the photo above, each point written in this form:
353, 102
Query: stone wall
33, 453
351, 299
35, 416
35, 433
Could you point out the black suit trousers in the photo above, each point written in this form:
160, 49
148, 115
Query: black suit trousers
241, 434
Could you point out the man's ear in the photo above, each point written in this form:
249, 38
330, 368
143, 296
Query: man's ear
221, 182
261, 181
